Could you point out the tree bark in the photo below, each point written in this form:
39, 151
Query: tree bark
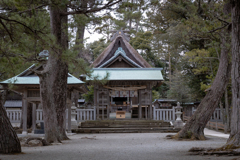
193, 129
53, 81
226, 116
234, 138
9, 142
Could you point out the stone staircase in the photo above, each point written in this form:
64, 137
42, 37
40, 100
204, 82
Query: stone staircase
125, 126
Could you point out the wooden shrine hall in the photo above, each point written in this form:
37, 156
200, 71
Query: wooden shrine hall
128, 91
27, 83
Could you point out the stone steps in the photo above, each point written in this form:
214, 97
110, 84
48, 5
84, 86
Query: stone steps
125, 130
125, 126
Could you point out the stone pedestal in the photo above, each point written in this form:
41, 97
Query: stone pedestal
178, 123
74, 124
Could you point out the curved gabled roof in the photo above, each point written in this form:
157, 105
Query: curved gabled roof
28, 78
131, 53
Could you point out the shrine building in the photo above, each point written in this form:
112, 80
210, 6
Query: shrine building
128, 91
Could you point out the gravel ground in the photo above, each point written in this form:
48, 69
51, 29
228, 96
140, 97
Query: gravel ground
129, 146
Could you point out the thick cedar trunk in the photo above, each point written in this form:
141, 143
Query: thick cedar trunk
9, 142
234, 138
53, 81
194, 127
226, 116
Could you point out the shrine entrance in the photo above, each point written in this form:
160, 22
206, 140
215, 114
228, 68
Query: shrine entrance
125, 102
121, 103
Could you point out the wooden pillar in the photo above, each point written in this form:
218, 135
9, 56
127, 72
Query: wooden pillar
108, 106
69, 115
151, 108
146, 112
96, 101
140, 105
33, 117
97, 104
24, 116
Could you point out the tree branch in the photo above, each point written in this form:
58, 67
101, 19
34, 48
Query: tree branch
12, 20
28, 10
109, 4
5, 27
219, 28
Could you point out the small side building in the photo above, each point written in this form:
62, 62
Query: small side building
27, 83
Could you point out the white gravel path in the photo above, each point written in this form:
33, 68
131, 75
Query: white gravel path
129, 146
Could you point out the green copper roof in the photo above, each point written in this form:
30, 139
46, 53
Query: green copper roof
118, 52
141, 74
34, 79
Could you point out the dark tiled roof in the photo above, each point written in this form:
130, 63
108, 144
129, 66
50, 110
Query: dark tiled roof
13, 103
81, 100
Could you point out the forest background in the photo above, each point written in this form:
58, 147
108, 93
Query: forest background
182, 37
186, 38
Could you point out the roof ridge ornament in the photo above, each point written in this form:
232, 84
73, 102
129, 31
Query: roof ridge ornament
120, 51
123, 33
44, 54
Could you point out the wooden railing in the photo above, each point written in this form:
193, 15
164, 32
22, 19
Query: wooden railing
185, 118
211, 125
39, 115
215, 125
14, 115
216, 116
86, 114
82, 115
164, 114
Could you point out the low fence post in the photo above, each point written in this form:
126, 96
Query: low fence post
216, 125
94, 113
174, 117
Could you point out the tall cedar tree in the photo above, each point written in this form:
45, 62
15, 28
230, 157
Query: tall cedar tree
234, 139
194, 127
53, 79
9, 142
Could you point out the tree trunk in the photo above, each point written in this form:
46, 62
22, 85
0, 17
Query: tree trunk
227, 116
194, 127
53, 81
79, 38
9, 142
234, 138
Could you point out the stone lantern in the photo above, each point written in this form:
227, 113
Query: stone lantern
178, 123
74, 124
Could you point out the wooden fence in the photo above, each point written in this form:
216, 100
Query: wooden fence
39, 115
164, 114
86, 115
215, 125
82, 115
211, 124
14, 115
216, 116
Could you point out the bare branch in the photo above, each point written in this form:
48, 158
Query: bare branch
28, 10
109, 4
219, 28
12, 20
5, 27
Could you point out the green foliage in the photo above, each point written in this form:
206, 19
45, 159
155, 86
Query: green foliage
89, 96
155, 95
97, 47
179, 89
23, 36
